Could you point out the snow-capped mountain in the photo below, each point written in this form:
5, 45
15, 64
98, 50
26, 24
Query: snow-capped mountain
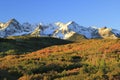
58, 30
108, 33
14, 28
116, 32
67, 30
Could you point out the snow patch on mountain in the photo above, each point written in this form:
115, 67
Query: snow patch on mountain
116, 32
72, 27
58, 30
14, 28
49, 29
107, 33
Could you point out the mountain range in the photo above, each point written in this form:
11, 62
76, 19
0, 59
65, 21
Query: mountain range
57, 30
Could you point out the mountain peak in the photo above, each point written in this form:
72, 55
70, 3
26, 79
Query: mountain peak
107, 33
58, 30
13, 20
60, 24
70, 22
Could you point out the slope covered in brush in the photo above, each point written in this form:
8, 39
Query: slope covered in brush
95, 59
25, 44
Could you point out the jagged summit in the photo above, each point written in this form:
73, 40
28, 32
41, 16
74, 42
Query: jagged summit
107, 33
58, 30
61, 24
13, 20
70, 22
14, 28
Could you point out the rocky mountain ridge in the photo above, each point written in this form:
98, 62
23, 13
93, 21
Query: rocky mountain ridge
58, 30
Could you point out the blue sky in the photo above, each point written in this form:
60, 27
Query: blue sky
84, 12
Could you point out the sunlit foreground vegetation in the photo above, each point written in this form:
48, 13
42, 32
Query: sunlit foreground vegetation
94, 59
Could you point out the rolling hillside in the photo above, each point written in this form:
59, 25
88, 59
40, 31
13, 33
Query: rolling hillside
94, 59
26, 44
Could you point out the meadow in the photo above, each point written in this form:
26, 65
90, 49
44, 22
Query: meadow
26, 58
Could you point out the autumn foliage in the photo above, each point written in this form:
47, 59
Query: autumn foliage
94, 59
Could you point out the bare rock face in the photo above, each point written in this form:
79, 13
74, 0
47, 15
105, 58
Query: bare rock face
37, 31
106, 33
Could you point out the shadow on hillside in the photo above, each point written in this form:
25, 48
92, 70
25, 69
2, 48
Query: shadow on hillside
5, 75
26, 45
